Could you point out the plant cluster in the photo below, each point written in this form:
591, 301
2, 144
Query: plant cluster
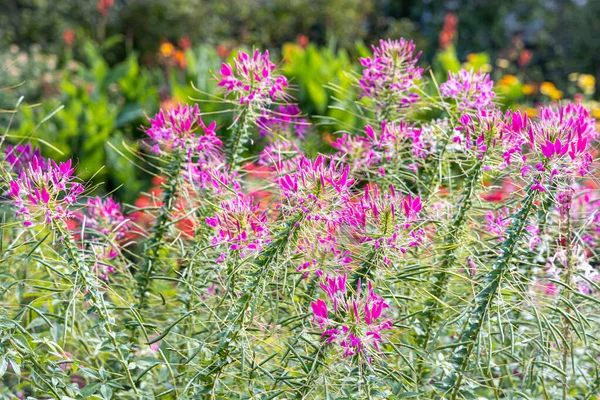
441, 248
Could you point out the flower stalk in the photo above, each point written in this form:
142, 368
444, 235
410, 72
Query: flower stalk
153, 246
483, 300
94, 296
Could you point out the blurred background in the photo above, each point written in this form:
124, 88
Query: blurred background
84, 74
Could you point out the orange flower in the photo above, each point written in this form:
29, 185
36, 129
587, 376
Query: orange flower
167, 49
180, 59
547, 87
508, 80
222, 51
302, 40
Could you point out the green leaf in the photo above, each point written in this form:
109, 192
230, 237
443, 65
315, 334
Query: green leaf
3, 365
89, 390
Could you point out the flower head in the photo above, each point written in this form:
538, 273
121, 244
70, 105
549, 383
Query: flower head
44, 191
353, 321
395, 144
390, 76
255, 80
317, 187
241, 226
177, 128
105, 217
20, 156
286, 122
385, 220
470, 90
558, 142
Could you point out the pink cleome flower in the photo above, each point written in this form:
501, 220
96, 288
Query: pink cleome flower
354, 322
469, 89
44, 191
254, 81
385, 220
558, 143
241, 226
391, 74
177, 129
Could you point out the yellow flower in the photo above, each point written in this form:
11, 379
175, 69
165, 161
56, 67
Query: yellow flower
528, 89
556, 94
531, 112
573, 76
547, 87
167, 49
471, 57
596, 113
587, 83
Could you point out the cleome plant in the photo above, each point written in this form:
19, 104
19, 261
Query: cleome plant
442, 248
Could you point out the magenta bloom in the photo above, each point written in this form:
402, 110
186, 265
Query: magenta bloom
354, 322
394, 144
558, 143
105, 217
281, 155
469, 89
286, 122
241, 226
182, 128
44, 191
390, 76
254, 81
317, 187
20, 156
386, 220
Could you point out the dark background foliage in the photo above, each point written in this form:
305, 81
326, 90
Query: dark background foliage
562, 34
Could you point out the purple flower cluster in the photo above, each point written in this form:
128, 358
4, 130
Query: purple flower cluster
177, 128
105, 217
254, 81
20, 156
391, 75
354, 322
384, 220
470, 90
395, 143
44, 191
283, 128
241, 225
317, 187
281, 155
286, 122
558, 142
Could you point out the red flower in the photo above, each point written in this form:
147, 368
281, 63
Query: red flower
69, 37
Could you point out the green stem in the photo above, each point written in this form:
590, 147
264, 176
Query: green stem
318, 359
234, 319
239, 137
441, 277
483, 300
568, 272
96, 300
154, 244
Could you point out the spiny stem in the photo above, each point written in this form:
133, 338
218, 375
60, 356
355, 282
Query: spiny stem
234, 319
568, 271
154, 244
483, 300
440, 278
90, 284
239, 137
